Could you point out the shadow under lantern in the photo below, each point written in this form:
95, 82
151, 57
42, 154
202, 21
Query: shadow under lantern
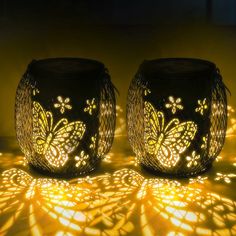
177, 115
65, 115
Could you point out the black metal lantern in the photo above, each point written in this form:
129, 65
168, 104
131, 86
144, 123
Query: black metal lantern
65, 115
177, 115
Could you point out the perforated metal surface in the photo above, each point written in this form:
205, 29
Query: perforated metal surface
60, 135
184, 142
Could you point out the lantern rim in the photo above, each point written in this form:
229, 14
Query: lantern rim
66, 67
177, 67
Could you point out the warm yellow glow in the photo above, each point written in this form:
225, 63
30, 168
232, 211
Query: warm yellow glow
112, 204
198, 179
91, 105
55, 142
174, 104
93, 142
231, 129
166, 143
202, 106
82, 159
225, 177
63, 104
193, 160
204, 142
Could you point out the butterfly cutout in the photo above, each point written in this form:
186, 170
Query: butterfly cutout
55, 142
166, 142
120, 203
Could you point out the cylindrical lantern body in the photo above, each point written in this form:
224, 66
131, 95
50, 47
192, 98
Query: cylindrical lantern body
177, 115
65, 115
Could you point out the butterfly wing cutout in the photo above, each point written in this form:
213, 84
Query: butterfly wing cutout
176, 140
166, 143
42, 122
64, 137
64, 141
153, 126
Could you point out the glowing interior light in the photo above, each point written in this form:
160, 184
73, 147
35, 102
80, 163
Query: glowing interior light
166, 143
55, 142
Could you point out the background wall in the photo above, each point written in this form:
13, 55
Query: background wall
119, 33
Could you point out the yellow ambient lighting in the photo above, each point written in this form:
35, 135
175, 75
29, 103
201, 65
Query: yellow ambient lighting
110, 204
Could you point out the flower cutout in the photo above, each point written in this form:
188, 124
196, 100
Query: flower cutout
192, 160
63, 104
174, 104
199, 180
225, 177
93, 142
202, 106
91, 106
147, 91
81, 160
35, 91
204, 142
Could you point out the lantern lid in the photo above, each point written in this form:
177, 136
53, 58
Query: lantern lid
69, 68
177, 67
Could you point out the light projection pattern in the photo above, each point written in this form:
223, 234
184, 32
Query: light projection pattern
63, 104
224, 177
110, 204
199, 179
55, 142
166, 142
174, 104
231, 130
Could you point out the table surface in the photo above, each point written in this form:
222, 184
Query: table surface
118, 198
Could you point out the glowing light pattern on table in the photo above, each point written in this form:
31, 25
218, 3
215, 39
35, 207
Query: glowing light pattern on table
108, 204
